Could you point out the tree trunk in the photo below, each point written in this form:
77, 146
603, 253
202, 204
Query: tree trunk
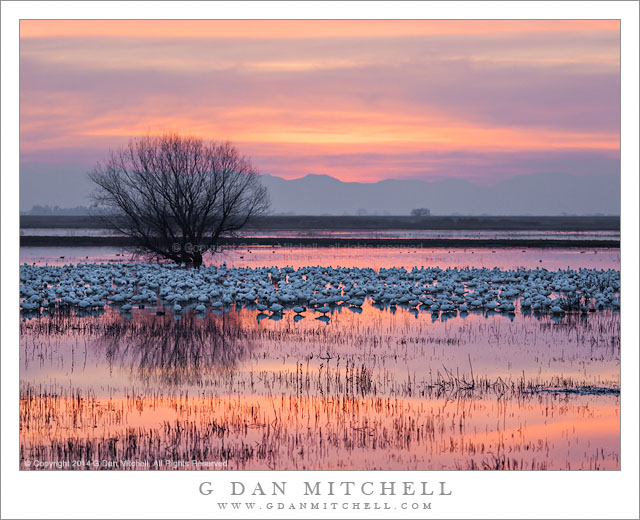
196, 259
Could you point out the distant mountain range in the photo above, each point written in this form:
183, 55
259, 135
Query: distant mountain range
535, 194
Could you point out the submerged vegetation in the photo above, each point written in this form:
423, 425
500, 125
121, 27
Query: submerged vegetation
315, 431
370, 391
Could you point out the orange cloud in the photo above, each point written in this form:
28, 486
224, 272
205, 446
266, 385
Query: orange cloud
359, 130
278, 29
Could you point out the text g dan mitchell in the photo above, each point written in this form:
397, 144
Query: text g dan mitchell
328, 488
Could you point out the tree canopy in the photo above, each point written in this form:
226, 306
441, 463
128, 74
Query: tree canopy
421, 212
176, 196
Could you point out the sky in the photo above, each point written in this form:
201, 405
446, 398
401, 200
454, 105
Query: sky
361, 101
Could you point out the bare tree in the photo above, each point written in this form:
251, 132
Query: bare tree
175, 196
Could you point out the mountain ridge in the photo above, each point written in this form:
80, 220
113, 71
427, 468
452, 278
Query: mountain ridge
544, 193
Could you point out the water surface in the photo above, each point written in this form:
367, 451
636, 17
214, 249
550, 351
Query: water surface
368, 234
374, 257
369, 390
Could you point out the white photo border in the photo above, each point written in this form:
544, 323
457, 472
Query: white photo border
493, 494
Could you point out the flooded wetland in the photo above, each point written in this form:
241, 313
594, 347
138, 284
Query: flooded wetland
225, 369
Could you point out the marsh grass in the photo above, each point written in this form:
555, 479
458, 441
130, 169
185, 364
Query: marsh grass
368, 391
304, 431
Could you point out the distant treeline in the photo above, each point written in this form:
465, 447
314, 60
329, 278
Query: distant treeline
38, 210
274, 223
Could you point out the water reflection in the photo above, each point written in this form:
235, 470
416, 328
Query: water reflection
162, 351
398, 389
320, 432
138, 347
374, 257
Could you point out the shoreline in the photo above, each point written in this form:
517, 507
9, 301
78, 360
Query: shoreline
435, 223
110, 241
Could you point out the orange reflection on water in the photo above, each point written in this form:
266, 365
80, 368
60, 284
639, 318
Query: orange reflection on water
328, 432
409, 257
371, 389
369, 257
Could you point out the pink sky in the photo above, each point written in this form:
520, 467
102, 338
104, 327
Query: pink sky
358, 100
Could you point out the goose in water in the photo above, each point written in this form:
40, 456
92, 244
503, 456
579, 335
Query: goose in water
276, 308
89, 286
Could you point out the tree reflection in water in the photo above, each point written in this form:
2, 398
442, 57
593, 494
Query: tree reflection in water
160, 350
157, 350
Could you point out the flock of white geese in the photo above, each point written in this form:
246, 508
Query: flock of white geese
274, 291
